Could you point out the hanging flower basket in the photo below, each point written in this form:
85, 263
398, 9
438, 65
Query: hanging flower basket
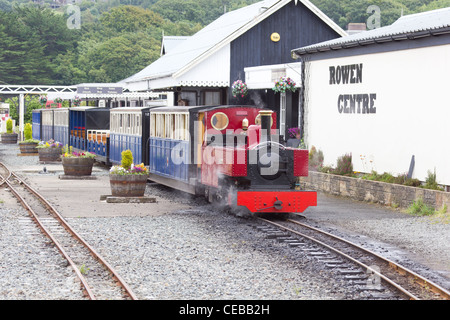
239, 89
284, 84
43, 100
77, 101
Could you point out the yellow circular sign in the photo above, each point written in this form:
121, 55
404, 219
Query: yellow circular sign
275, 37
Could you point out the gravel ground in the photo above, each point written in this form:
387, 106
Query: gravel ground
419, 243
204, 253
192, 255
30, 269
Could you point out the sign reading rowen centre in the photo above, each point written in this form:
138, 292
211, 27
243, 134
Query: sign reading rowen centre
356, 103
99, 90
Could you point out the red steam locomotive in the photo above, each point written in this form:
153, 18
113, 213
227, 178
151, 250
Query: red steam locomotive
236, 157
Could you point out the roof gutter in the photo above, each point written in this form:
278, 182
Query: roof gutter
296, 53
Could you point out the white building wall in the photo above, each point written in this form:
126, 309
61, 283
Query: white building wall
214, 71
412, 113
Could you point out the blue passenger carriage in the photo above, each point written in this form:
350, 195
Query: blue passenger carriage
36, 123
47, 124
89, 130
171, 152
130, 130
61, 125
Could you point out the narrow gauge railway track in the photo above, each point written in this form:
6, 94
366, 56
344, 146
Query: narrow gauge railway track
97, 278
342, 255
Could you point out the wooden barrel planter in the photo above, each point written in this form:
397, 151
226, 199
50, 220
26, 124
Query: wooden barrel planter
77, 166
130, 185
9, 138
50, 154
28, 147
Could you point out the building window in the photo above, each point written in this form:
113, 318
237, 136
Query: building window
212, 98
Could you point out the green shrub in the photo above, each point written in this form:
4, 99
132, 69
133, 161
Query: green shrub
9, 125
127, 159
28, 131
419, 208
315, 158
431, 181
387, 177
344, 165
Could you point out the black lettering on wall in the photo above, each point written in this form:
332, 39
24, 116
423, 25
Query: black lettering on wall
359, 73
365, 99
351, 73
338, 75
340, 107
346, 108
357, 103
332, 75
345, 74
373, 97
352, 103
359, 99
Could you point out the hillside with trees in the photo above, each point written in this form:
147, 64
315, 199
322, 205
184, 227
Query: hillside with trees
118, 38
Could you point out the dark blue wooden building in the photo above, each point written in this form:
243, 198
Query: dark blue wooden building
201, 69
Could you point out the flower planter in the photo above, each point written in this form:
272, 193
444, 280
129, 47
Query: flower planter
9, 138
28, 147
129, 185
77, 166
50, 154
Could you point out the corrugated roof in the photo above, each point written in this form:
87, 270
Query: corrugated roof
412, 26
170, 42
200, 42
210, 39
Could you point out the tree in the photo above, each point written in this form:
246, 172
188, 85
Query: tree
130, 19
30, 40
31, 103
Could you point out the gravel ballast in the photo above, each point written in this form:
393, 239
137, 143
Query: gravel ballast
197, 251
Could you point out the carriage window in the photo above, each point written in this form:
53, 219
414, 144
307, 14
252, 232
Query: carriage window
219, 121
180, 128
160, 125
138, 125
173, 126
153, 125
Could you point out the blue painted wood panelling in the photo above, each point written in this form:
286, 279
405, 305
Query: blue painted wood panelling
169, 158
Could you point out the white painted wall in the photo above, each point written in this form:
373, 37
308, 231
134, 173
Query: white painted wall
412, 112
264, 77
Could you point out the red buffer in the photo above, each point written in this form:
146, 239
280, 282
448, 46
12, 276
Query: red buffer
289, 201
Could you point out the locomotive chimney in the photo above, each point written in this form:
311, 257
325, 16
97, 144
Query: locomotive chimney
266, 124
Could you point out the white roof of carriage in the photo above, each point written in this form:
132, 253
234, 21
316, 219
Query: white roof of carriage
214, 37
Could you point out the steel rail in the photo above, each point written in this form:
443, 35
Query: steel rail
66, 226
397, 267
87, 289
96, 255
383, 277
